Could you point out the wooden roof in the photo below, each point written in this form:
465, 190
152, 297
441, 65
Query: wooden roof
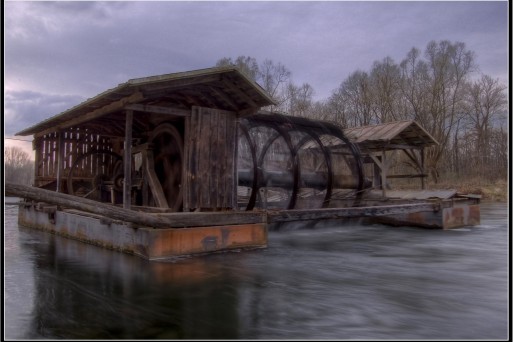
390, 135
220, 88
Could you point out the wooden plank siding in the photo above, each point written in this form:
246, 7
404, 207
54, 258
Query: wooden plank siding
210, 160
74, 143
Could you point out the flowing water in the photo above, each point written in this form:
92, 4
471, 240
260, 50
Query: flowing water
338, 282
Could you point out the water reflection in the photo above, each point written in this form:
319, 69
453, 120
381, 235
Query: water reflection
87, 292
338, 282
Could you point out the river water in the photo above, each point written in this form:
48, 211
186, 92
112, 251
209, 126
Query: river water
338, 282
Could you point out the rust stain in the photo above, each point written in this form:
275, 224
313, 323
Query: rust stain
173, 242
209, 243
225, 236
474, 215
156, 243
455, 217
416, 217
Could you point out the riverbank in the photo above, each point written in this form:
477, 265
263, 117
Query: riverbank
496, 191
490, 191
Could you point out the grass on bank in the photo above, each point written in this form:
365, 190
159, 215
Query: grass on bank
493, 191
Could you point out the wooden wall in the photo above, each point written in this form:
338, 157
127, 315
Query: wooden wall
73, 142
210, 149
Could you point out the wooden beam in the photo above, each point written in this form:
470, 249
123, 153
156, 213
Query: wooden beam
377, 160
163, 220
384, 170
237, 91
248, 111
422, 156
413, 158
201, 98
153, 181
158, 110
177, 84
225, 98
408, 176
112, 107
401, 146
60, 158
338, 213
109, 211
127, 160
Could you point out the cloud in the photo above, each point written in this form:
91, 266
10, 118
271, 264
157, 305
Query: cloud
26, 108
80, 49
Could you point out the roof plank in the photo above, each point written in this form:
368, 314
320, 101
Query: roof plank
233, 89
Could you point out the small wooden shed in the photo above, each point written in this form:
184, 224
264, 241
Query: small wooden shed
177, 132
378, 145
375, 141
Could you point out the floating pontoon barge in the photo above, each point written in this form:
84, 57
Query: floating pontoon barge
189, 163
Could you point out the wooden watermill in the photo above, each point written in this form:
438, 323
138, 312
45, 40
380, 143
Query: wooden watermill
131, 167
174, 143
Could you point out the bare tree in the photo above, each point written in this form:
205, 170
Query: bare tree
18, 167
486, 104
337, 109
273, 77
356, 94
385, 83
498, 167
414, 85
435, 91
248, 65
299, 99
432, 87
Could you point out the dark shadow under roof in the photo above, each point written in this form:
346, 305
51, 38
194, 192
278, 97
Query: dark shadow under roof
223, 88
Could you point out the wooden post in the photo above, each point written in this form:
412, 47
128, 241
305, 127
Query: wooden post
384, 167
36, 145
60, 158
376, 173
423, 185
127, 185
381, 163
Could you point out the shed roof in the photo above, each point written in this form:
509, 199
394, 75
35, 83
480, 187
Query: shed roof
221, 88
390, 135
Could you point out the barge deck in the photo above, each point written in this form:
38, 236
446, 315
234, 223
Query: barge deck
160, 235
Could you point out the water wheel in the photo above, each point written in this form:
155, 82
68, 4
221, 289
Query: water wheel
296, 163
95, 174
168, 162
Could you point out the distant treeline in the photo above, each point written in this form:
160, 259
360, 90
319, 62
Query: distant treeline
18, 167
441, 88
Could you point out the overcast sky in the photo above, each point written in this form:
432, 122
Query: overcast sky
58, 54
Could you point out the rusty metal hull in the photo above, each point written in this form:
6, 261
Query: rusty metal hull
148, 243
227, 231
449, 217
